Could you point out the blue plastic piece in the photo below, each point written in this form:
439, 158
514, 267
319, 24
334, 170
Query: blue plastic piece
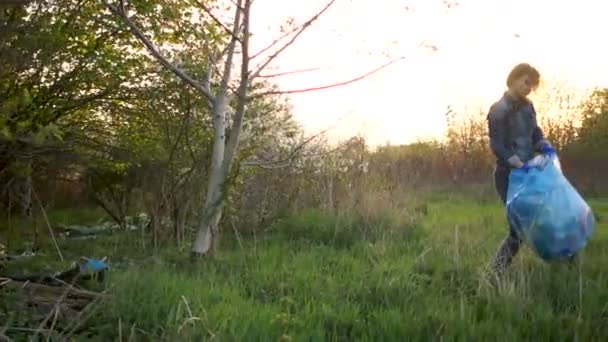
547, 212
93, 266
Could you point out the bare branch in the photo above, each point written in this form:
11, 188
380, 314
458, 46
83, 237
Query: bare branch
324, 153
274, 42
217, 21
238, 5
237, 124
120, 12
288, 73
334, 85
292, 40
273, 165
230, 55
286, 160
267, 166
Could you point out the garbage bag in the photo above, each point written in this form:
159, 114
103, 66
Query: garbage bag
546, 211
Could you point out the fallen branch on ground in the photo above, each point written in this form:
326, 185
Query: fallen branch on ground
41, 293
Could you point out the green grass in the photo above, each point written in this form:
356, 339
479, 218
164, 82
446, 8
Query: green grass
341, 278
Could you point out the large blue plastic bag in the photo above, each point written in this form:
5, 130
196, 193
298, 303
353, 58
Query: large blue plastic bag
547, 212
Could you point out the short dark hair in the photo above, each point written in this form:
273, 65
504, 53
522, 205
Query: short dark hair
522, 69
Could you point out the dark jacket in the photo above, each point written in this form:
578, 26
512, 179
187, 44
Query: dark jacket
513, 130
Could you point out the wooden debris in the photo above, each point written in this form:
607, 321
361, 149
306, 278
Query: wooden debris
45, 294
53, 301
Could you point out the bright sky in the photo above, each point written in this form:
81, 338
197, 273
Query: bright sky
477, 46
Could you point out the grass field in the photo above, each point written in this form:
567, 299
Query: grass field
407, 275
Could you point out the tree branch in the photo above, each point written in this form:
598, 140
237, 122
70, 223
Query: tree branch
292, 40
274, 42
217, 21
287, 73
76, 103
230, 55
120, 12
353, 80
233, 139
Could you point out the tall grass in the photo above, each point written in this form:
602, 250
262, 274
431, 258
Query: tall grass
340, 277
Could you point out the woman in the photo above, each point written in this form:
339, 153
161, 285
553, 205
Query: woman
514, 139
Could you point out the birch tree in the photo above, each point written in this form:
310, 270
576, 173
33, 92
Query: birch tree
228, 99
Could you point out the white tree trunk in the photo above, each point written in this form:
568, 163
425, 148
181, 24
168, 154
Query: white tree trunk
212, 210
206, 238
221, 159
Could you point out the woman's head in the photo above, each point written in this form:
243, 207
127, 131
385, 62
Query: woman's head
522, 79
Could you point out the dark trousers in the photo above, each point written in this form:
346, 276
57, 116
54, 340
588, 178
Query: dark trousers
511, 244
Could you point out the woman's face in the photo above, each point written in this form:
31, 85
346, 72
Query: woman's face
523, 86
